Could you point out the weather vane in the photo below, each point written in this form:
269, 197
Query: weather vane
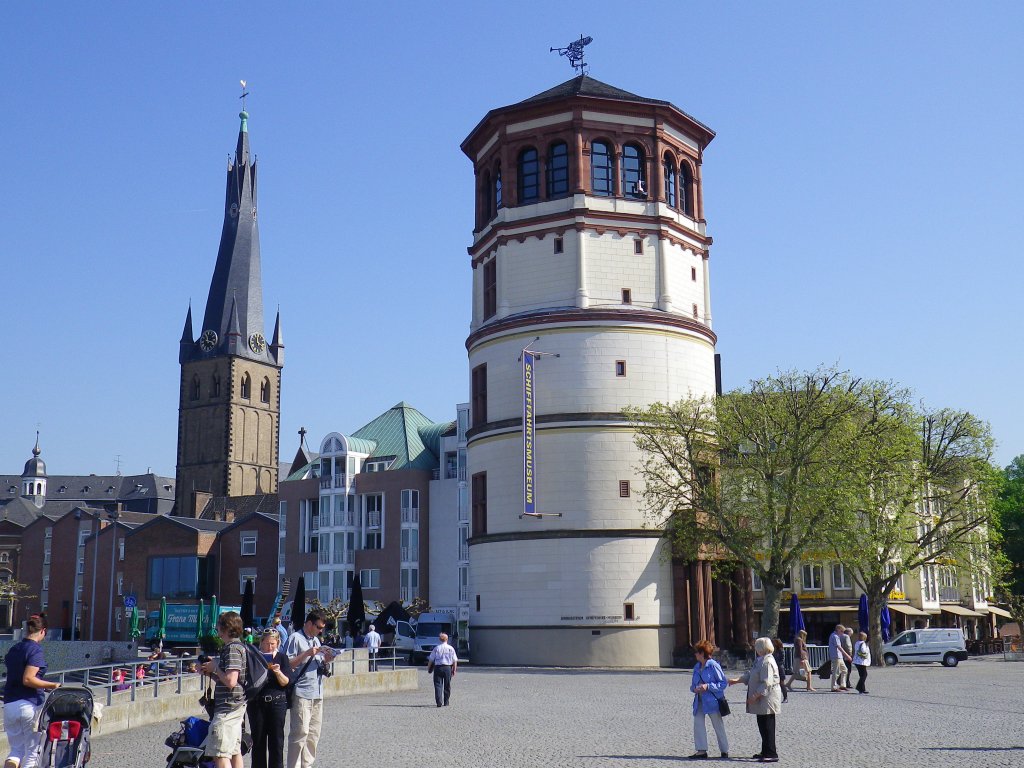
574, 52
244, 94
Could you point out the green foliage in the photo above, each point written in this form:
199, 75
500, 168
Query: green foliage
1009, 506
13, 590
754, 476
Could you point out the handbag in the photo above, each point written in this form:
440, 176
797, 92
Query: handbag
723, 707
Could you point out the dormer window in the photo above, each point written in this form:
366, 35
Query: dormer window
86, 489
62, 489
110, 489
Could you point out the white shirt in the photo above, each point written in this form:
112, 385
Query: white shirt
372, 640
860, 648
443, 655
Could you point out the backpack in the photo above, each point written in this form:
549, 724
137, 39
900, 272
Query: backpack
256, 672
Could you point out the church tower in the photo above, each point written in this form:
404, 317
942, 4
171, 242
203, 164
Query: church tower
590, 246
230, 397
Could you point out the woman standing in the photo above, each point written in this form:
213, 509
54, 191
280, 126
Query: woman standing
267, 711
780, 661
800, 660
764, 698
708, 687
24, 694
862, 660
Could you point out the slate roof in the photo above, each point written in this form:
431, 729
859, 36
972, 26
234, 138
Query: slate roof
141, 490
397, 432
23, 512
239, 506
203, 526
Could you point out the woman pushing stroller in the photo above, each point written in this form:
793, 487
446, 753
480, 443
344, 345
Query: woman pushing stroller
24, 692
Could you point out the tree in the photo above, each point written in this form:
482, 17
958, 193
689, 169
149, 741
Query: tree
1009, 506
918, 495
11, 590
753, 476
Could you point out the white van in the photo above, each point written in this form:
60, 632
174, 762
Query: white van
405, 638
923, 645
428, 627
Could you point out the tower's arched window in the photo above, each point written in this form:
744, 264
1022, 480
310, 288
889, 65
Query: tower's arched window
498, 202
558, 170
195, 388
265, 391
246, 387
670, 181
215, 385
486, 200
602, 169
634, 181
529, 176
685, 189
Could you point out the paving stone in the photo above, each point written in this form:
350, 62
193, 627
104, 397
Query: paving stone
508, 717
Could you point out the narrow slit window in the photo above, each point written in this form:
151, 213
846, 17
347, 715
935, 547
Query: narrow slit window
695, 312
559, 245
628, 612
693, 274
624, 489
620, 367
627, 296
638, 246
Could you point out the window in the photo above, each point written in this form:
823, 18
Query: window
602, 169
120, 584
463, 583
670, 181
81, 566
248, 539
265, 391
369, 578
811, 577
490, 288
634, 180
410, 545
693, 274
497, 189
479, 396
624, 489
558, 170
5, 557
757, 585
696, 312
620, 367
627, 296
215, 386
120, 550
178, 576
83, 534
244, 575
282, 511
46, 583
410, 506
479, 504
410, 583
529, 176
841, 577
628, 612
559, 245
117, 620
685, 189
638, 246
195, 388
246, 390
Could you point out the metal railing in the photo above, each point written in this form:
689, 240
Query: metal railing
816, 656
145, 679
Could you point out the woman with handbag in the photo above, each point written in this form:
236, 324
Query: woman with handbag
268, 709
764, 696
708, 686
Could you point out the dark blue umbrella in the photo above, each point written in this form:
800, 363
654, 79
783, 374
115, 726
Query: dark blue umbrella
796, 618
862, 613
886, 623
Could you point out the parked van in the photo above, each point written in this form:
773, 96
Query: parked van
923, 645
405, 638
428, 627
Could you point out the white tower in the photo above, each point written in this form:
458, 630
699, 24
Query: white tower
590, 238
33, 478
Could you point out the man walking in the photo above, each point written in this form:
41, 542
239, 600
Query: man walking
839, 657
443, 663
848, 647
372, 642
308, 656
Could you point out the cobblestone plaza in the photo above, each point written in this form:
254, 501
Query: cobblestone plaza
504, 717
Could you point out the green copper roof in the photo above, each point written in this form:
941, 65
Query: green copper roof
431, 436
244, 116
398, 432
360, 445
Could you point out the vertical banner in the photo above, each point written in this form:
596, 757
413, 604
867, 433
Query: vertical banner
529, 428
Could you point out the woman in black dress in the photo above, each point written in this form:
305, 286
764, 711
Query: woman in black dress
268, 709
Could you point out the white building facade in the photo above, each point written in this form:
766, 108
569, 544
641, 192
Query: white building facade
590, 245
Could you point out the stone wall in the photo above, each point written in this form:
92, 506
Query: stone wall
62, 655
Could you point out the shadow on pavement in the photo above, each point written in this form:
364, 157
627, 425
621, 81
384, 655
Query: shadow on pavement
972, 749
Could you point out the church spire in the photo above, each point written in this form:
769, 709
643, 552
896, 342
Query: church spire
277, 342
187, 340
237, 286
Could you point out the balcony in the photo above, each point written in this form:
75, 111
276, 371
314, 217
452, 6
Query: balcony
406, 594
325, 482
339, 480
464, 552
410, 514
373, 519
410, 554
949, 594
463, 593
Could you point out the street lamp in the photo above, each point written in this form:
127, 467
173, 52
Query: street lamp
113, 514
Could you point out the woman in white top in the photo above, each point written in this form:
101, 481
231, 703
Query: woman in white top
861, 660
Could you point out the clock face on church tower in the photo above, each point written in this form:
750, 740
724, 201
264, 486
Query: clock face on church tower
257, 343
208, 340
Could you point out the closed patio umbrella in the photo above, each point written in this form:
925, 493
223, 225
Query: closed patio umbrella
161, 629
886, 623
356, 610
248, 618
134, 626
796, 617
862, 613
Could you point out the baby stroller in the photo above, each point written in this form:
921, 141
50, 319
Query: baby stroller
187, 744
66, 724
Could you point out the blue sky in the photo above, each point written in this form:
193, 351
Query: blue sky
863, 192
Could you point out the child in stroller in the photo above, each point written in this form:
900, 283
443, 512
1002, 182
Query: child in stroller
65, 721
187, 743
